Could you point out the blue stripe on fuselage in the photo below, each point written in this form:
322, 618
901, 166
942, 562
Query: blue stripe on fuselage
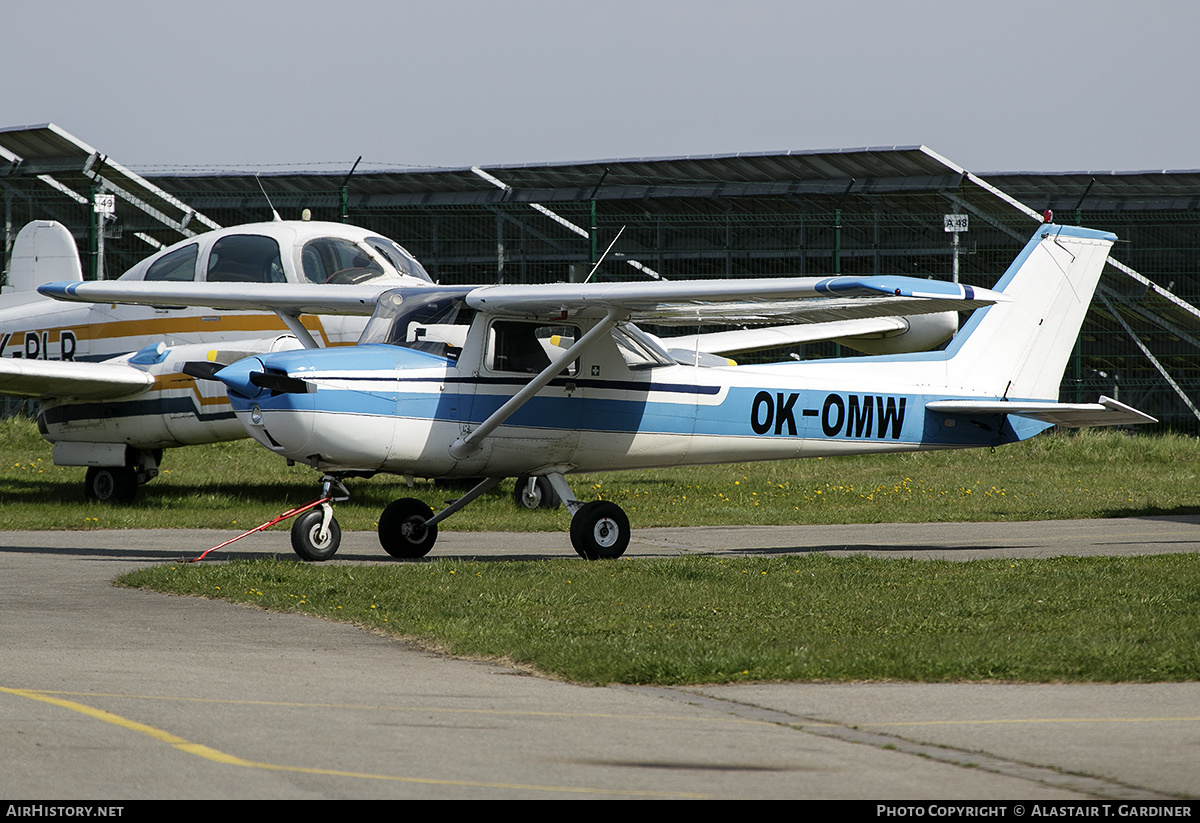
744, 412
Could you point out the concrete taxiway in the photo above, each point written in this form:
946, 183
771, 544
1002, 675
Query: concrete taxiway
109, 693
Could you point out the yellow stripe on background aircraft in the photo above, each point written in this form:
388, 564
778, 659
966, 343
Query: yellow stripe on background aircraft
539, 382
108, 375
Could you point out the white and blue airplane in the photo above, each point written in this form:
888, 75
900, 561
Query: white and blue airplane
540, 382
108, 375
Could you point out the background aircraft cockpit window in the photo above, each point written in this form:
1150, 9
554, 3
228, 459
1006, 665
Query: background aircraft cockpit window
528, 348
334, 260
639, 351
399, 257
179, 265
436, 322
245, 258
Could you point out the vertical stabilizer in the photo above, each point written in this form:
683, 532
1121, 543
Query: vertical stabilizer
1019, 350
43, 252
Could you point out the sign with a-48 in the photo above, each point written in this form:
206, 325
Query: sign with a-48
955, 222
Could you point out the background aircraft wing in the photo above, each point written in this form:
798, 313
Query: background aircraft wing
738, 302
1106, 412
290, 298
771, 337
58, 379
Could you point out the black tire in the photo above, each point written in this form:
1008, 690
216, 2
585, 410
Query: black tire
110, 484
402, 529
600, 531
542, 497
306, 540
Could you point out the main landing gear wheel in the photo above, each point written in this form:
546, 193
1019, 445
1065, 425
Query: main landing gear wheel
541, 496
402, 529
600, 530
307, 540
111, 484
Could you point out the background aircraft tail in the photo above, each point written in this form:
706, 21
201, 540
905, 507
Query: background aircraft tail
1018, 350
43, 252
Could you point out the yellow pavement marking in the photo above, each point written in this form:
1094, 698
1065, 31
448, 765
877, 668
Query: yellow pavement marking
426, 709
208, 753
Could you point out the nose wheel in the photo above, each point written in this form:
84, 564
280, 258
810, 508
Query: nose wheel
313, 538
316, 534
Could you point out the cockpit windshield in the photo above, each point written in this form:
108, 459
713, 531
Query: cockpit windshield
399, 257
433, 321
338, 260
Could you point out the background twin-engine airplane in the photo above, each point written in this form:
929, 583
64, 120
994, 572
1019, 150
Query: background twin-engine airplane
538, 382
109, 374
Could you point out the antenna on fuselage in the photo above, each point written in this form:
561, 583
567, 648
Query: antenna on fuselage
606, 251
274, 214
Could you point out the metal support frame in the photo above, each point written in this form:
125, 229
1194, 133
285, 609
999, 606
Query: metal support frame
1149, 356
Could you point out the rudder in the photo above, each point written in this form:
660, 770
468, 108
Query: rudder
1019, 349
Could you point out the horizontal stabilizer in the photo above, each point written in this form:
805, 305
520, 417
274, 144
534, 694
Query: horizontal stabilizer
1106, 412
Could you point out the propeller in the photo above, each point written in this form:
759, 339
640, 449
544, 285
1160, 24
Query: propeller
281, 383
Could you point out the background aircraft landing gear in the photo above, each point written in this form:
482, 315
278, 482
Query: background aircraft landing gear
312, 539
119, 484
538, 494
600, 530
403, 530
110, 484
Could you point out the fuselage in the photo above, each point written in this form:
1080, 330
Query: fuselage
393, 409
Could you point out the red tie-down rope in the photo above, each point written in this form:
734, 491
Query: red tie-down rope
267, 525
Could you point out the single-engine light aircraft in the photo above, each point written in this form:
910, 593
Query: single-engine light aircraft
539, 382
113, 396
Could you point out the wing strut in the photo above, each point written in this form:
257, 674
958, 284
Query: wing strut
469, 444
292, 321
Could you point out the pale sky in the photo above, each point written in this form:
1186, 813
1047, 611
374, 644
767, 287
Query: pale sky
998, 86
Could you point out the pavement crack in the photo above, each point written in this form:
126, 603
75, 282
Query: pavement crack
1045, 775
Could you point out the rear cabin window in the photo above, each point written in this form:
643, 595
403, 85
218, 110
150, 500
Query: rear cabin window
245, 258
178, 266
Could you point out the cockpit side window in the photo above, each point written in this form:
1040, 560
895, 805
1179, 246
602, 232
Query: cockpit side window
528, 348
335, 260
178, 266
245, 258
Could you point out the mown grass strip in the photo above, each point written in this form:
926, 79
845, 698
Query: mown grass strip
694, 620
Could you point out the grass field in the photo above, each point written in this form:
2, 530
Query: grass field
713, 620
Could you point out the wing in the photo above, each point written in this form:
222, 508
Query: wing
750, 301
1106, 412
741, 302
289, 298
67, 380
